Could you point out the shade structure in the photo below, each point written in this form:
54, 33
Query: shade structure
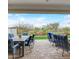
38, 6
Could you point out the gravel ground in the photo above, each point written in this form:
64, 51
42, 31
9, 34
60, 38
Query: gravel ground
44, 50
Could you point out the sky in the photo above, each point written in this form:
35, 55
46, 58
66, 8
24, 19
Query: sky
37, 20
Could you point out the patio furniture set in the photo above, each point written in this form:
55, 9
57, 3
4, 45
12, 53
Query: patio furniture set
60, 41
18, 45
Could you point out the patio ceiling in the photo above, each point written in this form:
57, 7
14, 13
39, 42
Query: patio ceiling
39, 6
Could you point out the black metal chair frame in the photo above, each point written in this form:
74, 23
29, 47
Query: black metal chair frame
60, 41
12, 48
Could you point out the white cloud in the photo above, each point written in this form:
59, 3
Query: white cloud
12, 22
66, 21
38, 21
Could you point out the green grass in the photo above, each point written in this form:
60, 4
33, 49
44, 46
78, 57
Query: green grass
41, 37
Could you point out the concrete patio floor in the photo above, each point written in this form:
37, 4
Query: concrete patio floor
44, 50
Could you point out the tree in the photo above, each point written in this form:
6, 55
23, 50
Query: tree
53, 27
66, 30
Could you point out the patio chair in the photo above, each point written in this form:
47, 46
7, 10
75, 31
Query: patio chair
32, 41
66, 44
63, 43
50, 37
12, 48
53, 39
56, 40
27, 42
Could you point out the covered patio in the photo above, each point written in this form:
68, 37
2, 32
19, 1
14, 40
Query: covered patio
42, 49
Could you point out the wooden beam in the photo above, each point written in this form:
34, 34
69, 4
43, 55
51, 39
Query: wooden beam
38, 11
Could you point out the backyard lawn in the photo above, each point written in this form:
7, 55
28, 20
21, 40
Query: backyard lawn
44, 37
41, 37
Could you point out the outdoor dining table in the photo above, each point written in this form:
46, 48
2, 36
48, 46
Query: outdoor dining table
22, 44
